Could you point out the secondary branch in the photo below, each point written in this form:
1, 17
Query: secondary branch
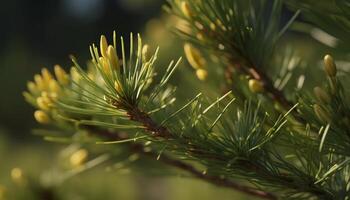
159, 132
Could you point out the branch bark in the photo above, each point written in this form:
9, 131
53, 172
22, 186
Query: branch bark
139, 148
137, 115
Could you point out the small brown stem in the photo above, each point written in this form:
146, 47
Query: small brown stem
223, 182
157, 131
160, 131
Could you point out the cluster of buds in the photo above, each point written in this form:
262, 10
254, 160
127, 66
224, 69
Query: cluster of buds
45, 89
188, 13
196, 60
201, 30
109, 59
323, 97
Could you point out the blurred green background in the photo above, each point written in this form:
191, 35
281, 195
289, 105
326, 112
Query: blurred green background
41, 33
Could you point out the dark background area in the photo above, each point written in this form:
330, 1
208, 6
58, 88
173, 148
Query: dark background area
41, 33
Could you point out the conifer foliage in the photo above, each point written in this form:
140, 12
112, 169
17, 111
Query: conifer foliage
265, 135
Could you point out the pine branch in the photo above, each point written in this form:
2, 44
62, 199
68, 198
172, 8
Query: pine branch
110, 96
159, 131
139, 148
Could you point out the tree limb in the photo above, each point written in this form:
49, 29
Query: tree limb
215, 180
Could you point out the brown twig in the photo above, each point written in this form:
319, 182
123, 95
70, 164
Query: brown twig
223, 182
161, 131
139, 148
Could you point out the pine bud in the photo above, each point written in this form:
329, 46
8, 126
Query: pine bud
194, 56
41, 117
54, 87
46, 95
61, 75
78, 158
255, 86
46, 75
330, 66
32, 87
145, 53
200, 36
201, 74
104, 64
43, 103
212, 26
322, 114
112, 57
39, 82
186, 10
17, 175
103, 46
221, 25
322, 95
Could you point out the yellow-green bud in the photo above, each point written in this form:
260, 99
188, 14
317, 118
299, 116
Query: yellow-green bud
200, 36
104, 64
61, 75
32, 87
322, 95
202, 74
54, 86
17, 175
321, 114
112, 57
46, 75
41, 117
255, 86
43, 103
212, 26
186, 10
103, 46
145, 53
39, 82
194, 56
78, 158
330, 66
